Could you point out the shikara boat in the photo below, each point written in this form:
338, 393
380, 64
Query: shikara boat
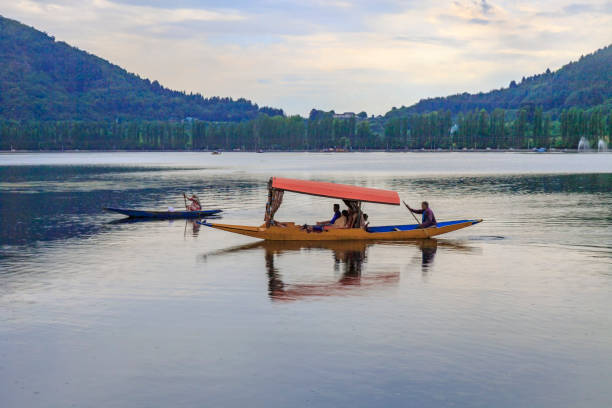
163, 214
353, 196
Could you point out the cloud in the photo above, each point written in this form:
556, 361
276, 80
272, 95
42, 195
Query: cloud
485, 7
109, 15
578, 8
345, 55
480, 21
595, 8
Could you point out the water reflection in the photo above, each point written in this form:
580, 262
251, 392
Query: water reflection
349, 258
511, 184
428, 248
505, 314
194, 227
191, 225
53, 203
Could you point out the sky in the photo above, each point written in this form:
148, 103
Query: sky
341, 55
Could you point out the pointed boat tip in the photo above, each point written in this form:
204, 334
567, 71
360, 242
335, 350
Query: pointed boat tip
477, 221
204, 222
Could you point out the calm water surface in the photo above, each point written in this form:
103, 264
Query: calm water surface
513, 312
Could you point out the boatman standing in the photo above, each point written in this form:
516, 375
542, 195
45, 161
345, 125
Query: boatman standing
429, 219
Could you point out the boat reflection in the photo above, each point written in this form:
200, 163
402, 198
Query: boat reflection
349, 258
192, 226
428, 248
130, 220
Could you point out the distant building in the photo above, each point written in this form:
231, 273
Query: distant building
345, 115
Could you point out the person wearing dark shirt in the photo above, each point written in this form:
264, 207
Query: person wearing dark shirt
428, 219
337, 215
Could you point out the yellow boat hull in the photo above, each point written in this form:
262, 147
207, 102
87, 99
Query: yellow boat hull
291, 232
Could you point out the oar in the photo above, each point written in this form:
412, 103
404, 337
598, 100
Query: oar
416, 219
185, 199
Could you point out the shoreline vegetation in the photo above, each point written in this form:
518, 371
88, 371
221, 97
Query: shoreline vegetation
525, 128
530, 151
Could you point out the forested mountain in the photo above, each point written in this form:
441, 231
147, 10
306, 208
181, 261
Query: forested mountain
584, 83
56, 97
44, 79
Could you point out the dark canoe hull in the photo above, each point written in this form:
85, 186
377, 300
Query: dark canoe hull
163, 214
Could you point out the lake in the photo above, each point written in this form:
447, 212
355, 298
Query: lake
99, 312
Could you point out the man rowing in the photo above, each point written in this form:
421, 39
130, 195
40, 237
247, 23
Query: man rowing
195, 203
428, 219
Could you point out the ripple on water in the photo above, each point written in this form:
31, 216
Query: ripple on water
504, 313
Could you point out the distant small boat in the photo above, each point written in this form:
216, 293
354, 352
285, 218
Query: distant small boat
216, 152
162, 214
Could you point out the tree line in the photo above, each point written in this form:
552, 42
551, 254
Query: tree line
500, 129
479, 129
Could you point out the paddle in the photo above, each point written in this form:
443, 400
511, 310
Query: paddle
415, 218
185, 198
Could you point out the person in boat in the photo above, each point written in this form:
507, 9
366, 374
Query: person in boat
195, 203
365, 222
355, 219
340, 222
337, 214
428, 218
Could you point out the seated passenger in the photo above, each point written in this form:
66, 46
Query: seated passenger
337, 214
353, 220
341, 222
365, 223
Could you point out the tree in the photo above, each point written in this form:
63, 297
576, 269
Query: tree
538, 127
520, 129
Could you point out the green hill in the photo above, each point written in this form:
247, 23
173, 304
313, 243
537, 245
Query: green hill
584, 83
44, 79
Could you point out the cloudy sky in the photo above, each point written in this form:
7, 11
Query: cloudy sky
342, 55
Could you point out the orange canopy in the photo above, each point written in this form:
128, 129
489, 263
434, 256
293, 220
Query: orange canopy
333, 190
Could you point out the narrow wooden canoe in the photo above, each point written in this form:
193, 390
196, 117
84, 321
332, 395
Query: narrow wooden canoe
163, 214
291, 232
